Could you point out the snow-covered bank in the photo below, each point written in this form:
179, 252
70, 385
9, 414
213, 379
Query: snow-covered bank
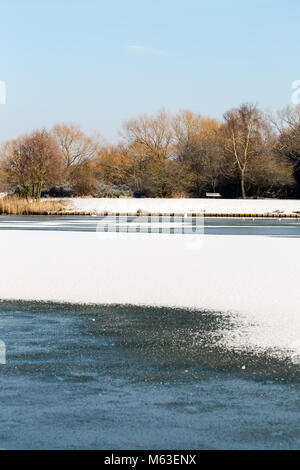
255, 278
219, 206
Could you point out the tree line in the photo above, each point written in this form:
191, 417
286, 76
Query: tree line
246, 154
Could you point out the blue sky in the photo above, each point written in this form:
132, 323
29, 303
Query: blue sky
100, 62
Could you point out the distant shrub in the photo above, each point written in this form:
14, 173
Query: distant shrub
60, 191
142, 193
113, 191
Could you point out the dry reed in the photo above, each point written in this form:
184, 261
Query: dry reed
13, 205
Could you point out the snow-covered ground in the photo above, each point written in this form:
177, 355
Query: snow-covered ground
254, 279
217, 206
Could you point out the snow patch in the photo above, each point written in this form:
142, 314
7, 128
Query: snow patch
254, 278
219, 206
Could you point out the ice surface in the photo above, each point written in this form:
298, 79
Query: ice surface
256, 279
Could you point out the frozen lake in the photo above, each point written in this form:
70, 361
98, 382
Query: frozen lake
212, 226
187, 345
134, 378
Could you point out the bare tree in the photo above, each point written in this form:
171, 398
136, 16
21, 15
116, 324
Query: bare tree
115, 165
245, 131
199, 149
287, 127
153, 133
270, 175
31, 163
79, 151
149, 140
76, 147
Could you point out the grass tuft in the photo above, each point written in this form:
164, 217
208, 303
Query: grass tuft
13, 205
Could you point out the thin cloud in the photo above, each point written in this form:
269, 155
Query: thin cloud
146, 49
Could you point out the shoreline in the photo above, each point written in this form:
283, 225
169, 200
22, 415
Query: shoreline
258, 208
155, 214
150, 207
